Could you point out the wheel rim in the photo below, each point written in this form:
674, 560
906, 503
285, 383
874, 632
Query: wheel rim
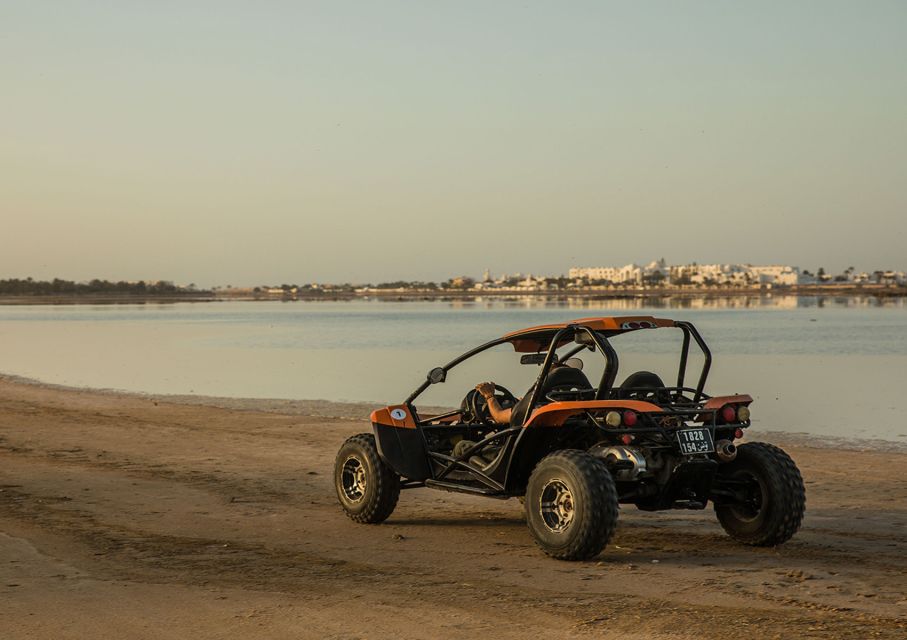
751, 508
353, 480
556, 505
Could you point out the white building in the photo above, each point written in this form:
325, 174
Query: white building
724, 274
776, 274
630, 273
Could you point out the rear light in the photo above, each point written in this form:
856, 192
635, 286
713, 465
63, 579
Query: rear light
626, 438
738, 433
728, 413
743, 414
612, 419
615, 418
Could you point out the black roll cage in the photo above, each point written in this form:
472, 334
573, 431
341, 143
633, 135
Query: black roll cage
600, 340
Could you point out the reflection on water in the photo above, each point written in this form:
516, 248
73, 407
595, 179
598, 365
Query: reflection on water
637, 303
822, 365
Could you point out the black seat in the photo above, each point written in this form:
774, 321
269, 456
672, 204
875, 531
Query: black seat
558, 380
566, 379
641, 385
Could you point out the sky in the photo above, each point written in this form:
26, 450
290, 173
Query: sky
266, 142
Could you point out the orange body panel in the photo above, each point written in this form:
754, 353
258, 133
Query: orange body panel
386, 417
555, 414
719, 401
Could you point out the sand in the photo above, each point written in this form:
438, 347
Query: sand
127, 516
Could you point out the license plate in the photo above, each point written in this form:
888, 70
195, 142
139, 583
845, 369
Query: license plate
694, 441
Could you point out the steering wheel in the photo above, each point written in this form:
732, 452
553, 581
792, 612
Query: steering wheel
476, 405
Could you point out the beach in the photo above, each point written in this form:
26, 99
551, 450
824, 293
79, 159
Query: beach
150, 517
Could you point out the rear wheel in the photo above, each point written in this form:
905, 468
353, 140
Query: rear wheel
368, 489
771, 496
571, 505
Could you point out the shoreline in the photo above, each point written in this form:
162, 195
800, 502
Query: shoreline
96, 299
881, 292
360, 411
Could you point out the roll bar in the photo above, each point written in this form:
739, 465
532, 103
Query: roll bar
611, 362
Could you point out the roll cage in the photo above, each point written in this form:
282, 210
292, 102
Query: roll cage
586, 334
405, 439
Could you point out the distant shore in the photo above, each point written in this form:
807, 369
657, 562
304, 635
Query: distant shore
591, 293
595, 293
104, 299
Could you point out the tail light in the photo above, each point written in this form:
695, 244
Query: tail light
615, 418
626, 438
738, 433
728, 413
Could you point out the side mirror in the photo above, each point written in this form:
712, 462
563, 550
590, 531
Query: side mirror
532, 358
436, 375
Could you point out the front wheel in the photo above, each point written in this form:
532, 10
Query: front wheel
368, 489
571, 505
770, 496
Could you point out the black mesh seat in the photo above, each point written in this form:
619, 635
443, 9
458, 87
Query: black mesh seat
559, 379
566, 379
641, 385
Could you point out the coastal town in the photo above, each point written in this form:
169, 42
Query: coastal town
654, 277
657, 278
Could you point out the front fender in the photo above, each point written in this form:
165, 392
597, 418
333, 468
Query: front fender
400, 442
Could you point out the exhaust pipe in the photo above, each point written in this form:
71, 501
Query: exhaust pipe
725, 450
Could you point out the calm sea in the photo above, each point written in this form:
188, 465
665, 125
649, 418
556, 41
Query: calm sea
821, 366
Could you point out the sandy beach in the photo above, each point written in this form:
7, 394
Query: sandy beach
147, 517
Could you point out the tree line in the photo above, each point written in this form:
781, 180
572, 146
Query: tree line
31, 287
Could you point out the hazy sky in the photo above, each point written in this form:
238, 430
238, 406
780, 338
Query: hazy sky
250, 142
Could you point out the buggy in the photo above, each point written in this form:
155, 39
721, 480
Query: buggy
574, 450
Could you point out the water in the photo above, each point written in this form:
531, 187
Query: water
821, 366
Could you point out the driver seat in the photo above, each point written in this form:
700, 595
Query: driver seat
642, 385
559, 379
566, 379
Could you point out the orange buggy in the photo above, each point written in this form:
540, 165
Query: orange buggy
576, 448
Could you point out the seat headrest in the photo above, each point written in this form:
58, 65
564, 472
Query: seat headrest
566, 377
643, 379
